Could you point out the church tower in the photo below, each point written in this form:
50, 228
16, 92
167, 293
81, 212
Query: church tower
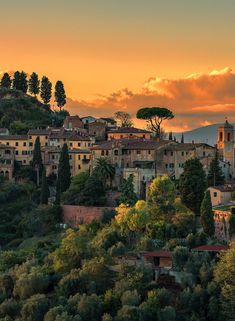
226, 143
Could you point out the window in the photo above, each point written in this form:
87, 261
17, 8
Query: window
7, 143
30, 144
84, 157
70, 156
172, 165
16, 152
24, 144
79, 144
79, 166
215, 194
171, 153
182, 153
116, 152
17, 144
79, 157
30, 137
166, 165
229, 137
221, 136
24, 152
7, 152
102, 152
24, 161
53, 156
121, 136
138, 152
46, 137
143, 136
107, 152
204, 153
71, 144
149, 152
165, 152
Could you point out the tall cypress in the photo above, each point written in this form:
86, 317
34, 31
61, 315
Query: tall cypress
215, 176
23, 82
192, 184
60, 96
64, 175
170, 136
182, 138
6, 80
37, 156
34, 84
17, 80
44, 189
206, 215
45, 90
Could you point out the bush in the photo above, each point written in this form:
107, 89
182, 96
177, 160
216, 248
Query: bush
35, 308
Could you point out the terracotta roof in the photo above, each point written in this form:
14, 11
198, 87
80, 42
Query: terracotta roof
144, 144
224, 188
39, 132
157, 254
211, 248
13, 137
129, 130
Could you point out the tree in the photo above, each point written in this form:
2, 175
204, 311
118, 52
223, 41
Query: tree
215, 176
128, 195
170, 136
90, 307
35, 308
17, 80
45, 91
207, 217
71, 196
93, 193
154, 117
6, 81
224, 277
182, 139
23, 82
64, 175
104, 169
37, 158
34, 84
60, 96
123, 119
192, 185
45, 193
161, 193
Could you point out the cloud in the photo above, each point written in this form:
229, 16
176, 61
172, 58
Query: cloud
197, 99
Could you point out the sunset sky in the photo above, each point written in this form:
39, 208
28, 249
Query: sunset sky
124, 54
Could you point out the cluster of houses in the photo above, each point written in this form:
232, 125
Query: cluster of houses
131, 150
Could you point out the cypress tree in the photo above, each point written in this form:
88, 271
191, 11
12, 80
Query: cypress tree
192, 184
207, 217
60, 96
44, 189
34, 84
6, 81
23, 82
37, 156
45, 90
17, 80
128, 195
215, 176
170, 136
64, 175
182, 138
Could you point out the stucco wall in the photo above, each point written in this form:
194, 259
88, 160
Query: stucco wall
74, 215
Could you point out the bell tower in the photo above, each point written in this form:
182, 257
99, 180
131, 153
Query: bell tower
226, 143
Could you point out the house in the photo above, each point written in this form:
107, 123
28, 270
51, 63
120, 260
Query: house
88, 119
221, 195
7, 158
23, 147
109, 122
4, 131
43, 135
128, 133
97, 129
211, 248
73, 123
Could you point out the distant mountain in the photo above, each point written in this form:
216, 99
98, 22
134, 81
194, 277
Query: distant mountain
207, 134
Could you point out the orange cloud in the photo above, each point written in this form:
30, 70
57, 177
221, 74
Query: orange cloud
199, 99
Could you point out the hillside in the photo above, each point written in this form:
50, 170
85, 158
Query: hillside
20, 112
207, 134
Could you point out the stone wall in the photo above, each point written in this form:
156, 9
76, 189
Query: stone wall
74, 215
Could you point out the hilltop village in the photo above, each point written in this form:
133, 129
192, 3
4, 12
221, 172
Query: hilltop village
103, 221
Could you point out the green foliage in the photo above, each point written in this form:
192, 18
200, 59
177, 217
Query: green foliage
128, 196
90, 307
71, 196
192, 185
207, 216
10, 258
45, 90
130, 298
215, 176
180, 257
10, 307
45, 193
154, 117
64, 175
35, 308
16, 81
15, 106
34, 84
60, 96
37, 155
6, 81
104, 170
93, 193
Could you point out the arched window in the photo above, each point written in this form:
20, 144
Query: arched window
221, 136
229, 137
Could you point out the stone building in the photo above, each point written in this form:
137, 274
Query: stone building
73, 123
7, 158
128, 133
